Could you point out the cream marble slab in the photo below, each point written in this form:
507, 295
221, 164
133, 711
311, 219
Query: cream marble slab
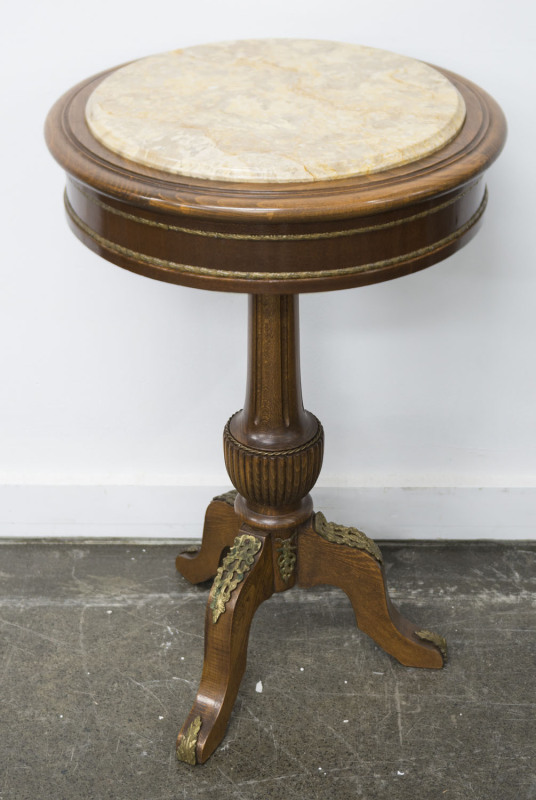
275, 110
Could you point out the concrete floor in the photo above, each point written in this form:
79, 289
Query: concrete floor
102, 650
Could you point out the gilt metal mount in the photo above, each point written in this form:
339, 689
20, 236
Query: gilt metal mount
233, 570
188, 743
351, 537
228, 497
434, 638
286, 560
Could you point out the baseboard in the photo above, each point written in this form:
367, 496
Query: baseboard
162, 512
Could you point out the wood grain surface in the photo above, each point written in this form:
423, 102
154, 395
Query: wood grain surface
221, 527
274, 241
226, 644
275, 238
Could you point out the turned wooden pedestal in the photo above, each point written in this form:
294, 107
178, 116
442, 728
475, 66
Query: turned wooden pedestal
273, 240
265, 538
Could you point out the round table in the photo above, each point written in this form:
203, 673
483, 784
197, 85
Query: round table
275, 167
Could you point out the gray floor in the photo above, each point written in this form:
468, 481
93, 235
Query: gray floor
102, 650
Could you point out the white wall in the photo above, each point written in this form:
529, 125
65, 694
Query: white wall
110, 379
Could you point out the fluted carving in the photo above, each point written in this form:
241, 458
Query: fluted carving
278, 479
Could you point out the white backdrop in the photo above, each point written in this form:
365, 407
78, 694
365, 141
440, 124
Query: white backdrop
111, 380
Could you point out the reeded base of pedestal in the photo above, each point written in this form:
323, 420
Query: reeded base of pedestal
249, 564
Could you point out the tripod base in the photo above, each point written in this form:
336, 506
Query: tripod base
248, 566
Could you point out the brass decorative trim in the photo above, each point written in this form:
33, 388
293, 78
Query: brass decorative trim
229, 497
188, 743
286, 560
234, 568
276, 453
439, 641
274, 276
351, 537
286, 237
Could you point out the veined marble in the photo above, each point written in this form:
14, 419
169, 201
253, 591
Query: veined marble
275, 110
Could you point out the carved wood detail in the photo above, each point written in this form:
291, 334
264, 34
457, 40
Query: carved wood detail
277, 479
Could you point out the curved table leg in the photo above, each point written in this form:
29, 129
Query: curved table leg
221, 527
345, 557
242, 583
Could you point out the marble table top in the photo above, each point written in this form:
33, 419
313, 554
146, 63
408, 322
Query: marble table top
275, 110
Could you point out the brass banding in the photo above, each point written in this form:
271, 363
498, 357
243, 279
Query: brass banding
287, 237
210, 272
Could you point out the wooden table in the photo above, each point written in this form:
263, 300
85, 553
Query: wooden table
274, 240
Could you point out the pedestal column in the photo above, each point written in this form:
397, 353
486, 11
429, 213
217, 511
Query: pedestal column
273, 446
